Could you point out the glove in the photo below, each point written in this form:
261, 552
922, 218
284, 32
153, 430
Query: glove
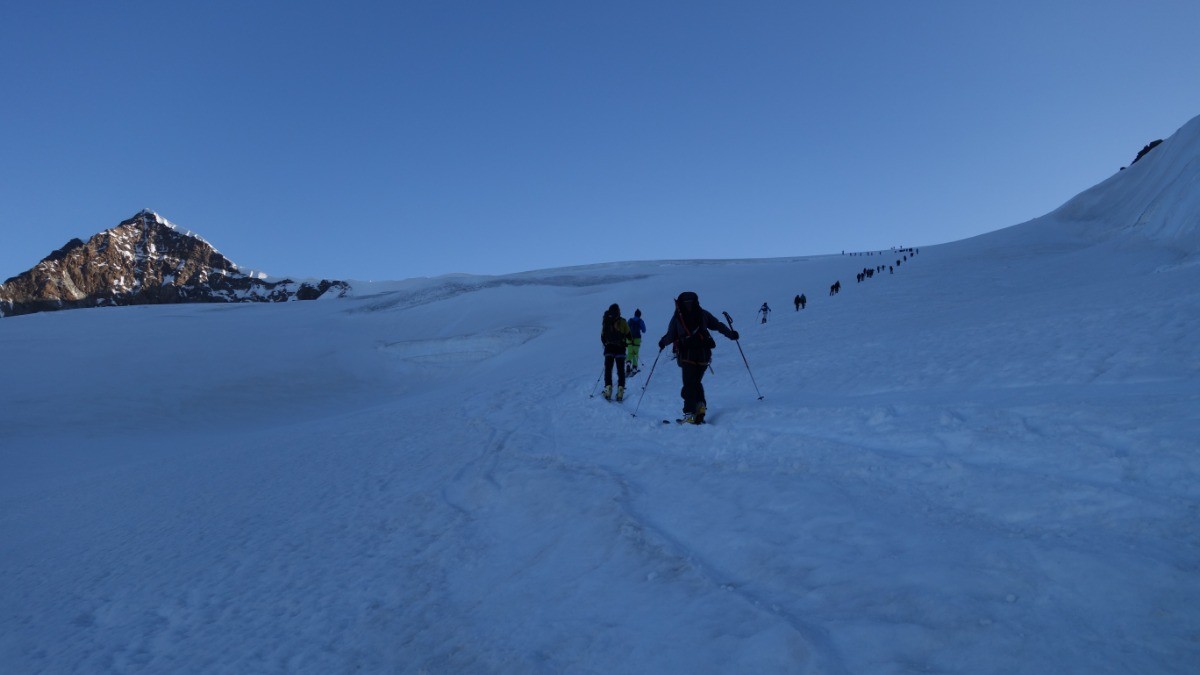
662, 345
734, 335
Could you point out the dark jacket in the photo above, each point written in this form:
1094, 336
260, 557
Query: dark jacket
698, 347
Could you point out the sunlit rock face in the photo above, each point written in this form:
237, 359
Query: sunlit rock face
144, 260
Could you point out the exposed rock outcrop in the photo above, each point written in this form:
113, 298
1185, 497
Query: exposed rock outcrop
145, 260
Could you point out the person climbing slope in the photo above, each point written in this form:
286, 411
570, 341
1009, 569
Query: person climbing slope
614, 335
636, 328
688, 331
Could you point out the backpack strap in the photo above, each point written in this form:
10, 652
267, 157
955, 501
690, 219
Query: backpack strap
679, 313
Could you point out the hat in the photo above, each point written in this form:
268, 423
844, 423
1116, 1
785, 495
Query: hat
637, 312
688, 296
614, 309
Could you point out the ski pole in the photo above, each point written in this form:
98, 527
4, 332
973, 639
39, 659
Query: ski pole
647, 384
729, 320
594, 386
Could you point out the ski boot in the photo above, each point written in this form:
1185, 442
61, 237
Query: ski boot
620, 393
701, 409
607, 393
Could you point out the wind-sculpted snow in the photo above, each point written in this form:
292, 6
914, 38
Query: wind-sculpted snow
462, 348
443, 288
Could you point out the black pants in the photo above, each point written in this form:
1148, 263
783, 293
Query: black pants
619, 361
693, 390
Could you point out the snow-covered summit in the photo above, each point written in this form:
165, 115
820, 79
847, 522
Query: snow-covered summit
148, 217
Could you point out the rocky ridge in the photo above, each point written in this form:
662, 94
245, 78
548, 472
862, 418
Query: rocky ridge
145, 260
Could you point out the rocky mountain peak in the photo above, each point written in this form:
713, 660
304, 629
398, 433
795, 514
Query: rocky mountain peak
143, 260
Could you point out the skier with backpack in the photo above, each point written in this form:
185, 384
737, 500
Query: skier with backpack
689, 332
614, 335
636, 328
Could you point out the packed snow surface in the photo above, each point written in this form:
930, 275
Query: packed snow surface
985, 461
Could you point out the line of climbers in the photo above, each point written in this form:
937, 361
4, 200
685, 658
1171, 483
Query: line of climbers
689, 334
870, 272
691, 342
894, 249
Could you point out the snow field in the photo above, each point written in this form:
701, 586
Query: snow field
984, 462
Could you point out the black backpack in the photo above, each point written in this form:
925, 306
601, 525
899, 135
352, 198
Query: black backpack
698, 339
695, 334
610, 332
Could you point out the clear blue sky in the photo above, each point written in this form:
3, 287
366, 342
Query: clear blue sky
396, 139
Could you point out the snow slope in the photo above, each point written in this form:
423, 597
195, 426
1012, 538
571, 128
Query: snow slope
985, 462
